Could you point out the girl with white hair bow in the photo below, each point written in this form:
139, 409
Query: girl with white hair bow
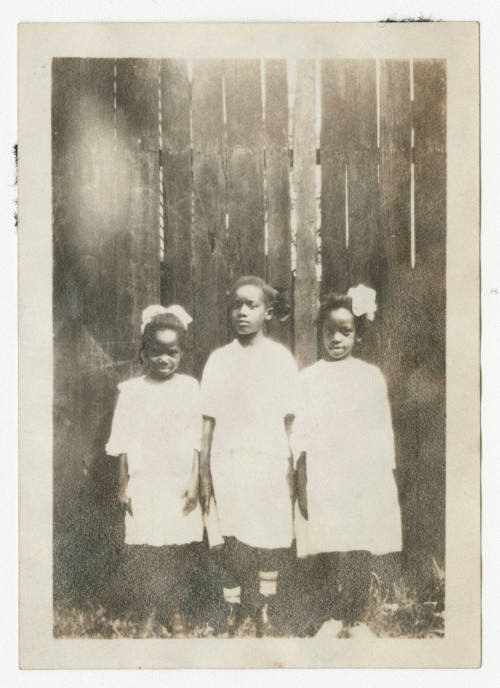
156, 433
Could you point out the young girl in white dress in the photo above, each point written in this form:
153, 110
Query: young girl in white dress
155, 433
347, 502
248, 402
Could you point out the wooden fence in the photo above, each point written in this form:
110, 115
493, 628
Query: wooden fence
171, 179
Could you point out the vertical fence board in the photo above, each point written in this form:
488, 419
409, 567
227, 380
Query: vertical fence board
245, 143
97, 220
395, 158
84, 224
427, 385
304, 171
84, 293
137, 241
430, 153
362, 172
209, 188
396, 294
67, 302
334, 142
279, 269
96, 237
177, 282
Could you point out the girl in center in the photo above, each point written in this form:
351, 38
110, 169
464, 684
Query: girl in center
248, 404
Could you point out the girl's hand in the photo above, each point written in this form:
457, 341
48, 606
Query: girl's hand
302, 486
302, 504
125, 502
206, 492
190, 495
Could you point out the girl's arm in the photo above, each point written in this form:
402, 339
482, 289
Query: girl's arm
191, 492
206, 489
291, 477
123, 482
302, 485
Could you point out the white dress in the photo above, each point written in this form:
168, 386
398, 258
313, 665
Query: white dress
344, 425
249, 391
158, 425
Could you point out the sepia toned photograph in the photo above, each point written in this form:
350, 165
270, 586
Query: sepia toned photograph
249, 311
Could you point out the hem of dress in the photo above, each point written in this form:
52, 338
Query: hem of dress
163, 544
342, 550
260, 545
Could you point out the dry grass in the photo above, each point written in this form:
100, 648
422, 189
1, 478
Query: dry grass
394, 610
399, 610
89, 621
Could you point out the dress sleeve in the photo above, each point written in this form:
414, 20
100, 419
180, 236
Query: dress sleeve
119, 439
210, 388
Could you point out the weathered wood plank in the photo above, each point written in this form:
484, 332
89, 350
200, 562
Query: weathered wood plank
177, 285
137, 239
334, 147
363, 199
279, 268
84, 284
362, 231
209, 188
427, 384
396, 292
65, 184
429, 122
395, 157
304, 161
67, 301
395, 220
245, 151
96, 233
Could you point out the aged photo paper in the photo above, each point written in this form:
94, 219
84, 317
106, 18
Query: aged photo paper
249, 345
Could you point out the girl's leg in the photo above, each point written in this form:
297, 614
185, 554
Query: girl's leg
126, 590
354, 585
246, 564
170, 584
225, 558
275, 568
315, 591
225, 561
205, 588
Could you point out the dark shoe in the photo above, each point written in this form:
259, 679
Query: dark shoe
251, 615
310, 629
176, 624
345, 631
233, 619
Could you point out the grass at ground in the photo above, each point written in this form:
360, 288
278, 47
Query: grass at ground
394, 610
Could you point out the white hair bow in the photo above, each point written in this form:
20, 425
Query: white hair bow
363, 301
152, 311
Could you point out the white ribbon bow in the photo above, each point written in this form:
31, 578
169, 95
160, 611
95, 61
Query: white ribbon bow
152, 311
363, 301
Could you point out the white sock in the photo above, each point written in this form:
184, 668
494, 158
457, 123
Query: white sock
268, 581
232, 595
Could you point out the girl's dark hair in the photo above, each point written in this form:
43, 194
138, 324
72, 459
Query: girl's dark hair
163, 321
331, 302
273, 297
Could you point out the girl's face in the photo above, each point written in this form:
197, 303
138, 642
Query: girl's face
163, 355
338, 334
249, 310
